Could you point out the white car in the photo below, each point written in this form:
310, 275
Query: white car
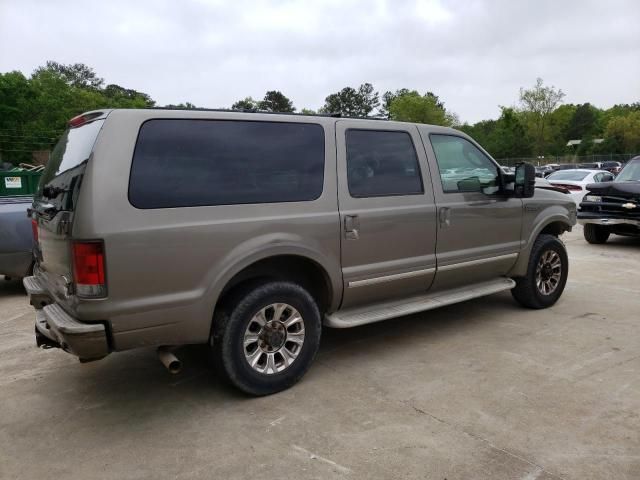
576, 181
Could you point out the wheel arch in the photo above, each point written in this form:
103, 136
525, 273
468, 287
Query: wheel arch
554, 225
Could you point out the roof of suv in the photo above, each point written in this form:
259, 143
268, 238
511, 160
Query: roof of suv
201, 112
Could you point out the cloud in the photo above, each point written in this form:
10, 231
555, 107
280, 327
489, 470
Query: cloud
475, 54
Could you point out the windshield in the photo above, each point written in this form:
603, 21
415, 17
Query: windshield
630, 173
568, 175
72, 150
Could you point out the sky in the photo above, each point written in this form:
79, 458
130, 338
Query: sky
474, 54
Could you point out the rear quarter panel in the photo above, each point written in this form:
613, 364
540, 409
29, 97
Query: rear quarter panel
166, 267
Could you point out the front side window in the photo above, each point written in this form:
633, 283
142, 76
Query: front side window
463, 166
382, 163
186, 163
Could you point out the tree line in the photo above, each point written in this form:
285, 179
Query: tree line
34, 112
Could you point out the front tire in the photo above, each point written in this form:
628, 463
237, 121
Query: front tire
596, 234
266, 337
546, 274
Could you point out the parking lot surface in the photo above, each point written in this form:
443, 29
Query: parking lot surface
480, 390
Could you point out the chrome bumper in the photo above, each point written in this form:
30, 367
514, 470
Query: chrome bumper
56, 328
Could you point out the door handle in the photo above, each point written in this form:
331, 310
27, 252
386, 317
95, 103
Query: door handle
444, 216
351, 227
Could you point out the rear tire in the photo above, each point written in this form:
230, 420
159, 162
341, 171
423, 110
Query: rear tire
546, 274
266, 336
596, 234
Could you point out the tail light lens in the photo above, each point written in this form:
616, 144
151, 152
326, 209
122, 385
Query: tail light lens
572, 188
34, 230
88, 269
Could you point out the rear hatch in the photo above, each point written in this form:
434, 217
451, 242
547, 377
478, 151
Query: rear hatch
56, 201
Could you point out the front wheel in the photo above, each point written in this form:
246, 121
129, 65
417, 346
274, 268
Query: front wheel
596, 233
546, 274
266, 337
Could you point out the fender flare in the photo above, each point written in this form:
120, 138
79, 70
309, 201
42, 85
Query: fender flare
264, 247
520, 267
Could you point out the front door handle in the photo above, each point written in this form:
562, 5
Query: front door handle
444, 216
351, 227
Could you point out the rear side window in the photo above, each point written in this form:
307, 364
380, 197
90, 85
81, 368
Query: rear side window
382, 163
187, 163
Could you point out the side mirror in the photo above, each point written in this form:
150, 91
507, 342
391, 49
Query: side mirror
525, 184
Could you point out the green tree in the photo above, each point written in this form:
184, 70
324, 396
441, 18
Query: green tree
182, 106
308, 111
537, 104
508, 139
126, 97
275, 101
583, 123
350, 102
413, 107
246, 103
622, 134
76, 75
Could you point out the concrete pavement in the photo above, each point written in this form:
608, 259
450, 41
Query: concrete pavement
480, 390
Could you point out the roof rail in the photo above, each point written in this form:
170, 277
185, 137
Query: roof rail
252, 110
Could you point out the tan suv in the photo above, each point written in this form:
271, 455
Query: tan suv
249, 231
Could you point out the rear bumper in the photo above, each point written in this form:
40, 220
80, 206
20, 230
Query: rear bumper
55, 328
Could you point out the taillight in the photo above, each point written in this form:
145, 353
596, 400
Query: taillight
80, 120
34, 230
88, 269
572, 188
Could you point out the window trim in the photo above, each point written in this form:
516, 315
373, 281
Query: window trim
383, 195
482, 150
324, 162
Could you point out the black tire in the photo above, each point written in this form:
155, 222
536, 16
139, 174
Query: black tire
596, 234
232, 320
526, 291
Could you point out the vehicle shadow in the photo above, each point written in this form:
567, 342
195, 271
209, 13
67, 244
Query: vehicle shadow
133, 387
11, 288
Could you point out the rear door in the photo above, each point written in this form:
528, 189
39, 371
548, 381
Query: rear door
387, 212
55, 202
479, 230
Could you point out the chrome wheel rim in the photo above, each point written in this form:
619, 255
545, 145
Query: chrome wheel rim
273, 338
548, 272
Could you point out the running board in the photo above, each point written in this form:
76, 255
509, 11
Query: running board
352, 317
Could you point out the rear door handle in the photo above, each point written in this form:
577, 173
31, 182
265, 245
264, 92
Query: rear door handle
444, 216
351, 227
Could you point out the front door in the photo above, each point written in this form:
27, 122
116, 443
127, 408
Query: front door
387, 212
479, 230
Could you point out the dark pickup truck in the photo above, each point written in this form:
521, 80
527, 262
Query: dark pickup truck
16, 238
613, 207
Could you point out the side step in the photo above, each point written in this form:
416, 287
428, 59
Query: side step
352, 317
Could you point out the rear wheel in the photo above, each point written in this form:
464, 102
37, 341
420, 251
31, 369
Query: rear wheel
266, 337
596, 233
546, 274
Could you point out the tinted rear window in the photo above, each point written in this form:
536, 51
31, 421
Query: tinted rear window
568, 175
71, 151
185, 163
382, 163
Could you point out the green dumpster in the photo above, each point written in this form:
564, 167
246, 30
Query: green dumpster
19, 182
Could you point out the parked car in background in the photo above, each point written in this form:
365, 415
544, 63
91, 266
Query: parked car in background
249, 231
613, 207
612, 166
577, 180
16, 238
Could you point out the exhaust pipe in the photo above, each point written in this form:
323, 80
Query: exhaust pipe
169, 360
